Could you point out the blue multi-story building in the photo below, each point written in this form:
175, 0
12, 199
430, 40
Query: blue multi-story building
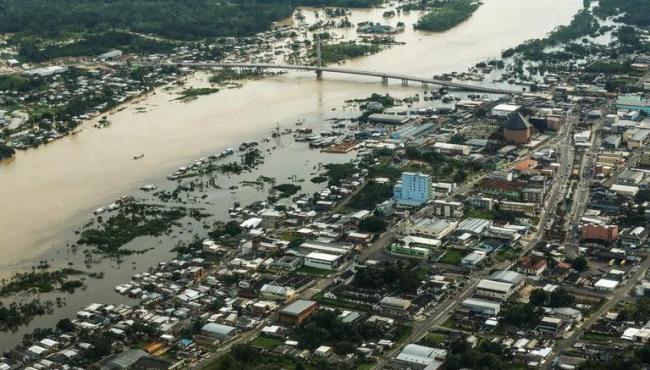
414, 189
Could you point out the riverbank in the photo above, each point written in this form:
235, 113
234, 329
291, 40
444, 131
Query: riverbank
46, 207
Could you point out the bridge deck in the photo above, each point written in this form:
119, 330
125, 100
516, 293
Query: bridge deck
397, 76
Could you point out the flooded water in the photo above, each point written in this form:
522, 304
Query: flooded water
50, 191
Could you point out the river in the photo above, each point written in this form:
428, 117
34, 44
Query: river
50, 191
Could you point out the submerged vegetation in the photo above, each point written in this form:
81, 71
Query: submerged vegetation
447, 15
42, 282
133, 220
193, 93
332, 53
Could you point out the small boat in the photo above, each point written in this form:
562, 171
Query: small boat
136, 157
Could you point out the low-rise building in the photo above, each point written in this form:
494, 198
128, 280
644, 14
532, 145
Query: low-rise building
297, 312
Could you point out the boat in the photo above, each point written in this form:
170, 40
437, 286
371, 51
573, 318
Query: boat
136, 157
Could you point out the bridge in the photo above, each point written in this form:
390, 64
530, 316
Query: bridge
405, 79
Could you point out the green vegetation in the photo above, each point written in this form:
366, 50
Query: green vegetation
193, 93
634, 12
372, 224
6, 151
637, 312
521, 315
452, 257
445, 168
230, 228
598, 338
93, 44
41, 282
325, 328
373, 193
336, 172
635, 359
318, 179
332, 53
436, 340
228, 75
558, 298
582, 24
287, 190
486, 355
245, 357
447, 16
391, 276
15, 315
265, 342
133, 220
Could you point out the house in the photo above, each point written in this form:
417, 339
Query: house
494, 289
473, 258
297, 312
394, 306
505, 110
277, 293
634, 237
553, 327
567, 314
532, 265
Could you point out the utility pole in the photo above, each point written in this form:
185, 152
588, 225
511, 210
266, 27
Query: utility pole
319, 62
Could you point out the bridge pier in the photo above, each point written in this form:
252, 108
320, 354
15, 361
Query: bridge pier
384, 80
425, 86
405, 83
319, 74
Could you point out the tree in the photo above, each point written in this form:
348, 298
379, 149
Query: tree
372, 224
580, 263
538, 297
232, 228
561, 298
65, 325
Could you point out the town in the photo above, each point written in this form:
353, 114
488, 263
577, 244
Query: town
438, 229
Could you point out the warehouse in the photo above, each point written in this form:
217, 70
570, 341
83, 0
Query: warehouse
323, 261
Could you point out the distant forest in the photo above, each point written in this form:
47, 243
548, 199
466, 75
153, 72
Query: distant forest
175, 19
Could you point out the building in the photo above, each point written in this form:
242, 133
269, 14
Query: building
527, 209
633, 102
517, 129
113, 54
511, 277
390, 119
410, 251
415, 356
445, 208
414, 189
323, 261
453, 149
473, 258
630, 177
494, 289
608, 233
480, 307
634, 237
394, 306
553, 327
277, 293
505, 110
297, 312
221, 332
430, 228
532, 265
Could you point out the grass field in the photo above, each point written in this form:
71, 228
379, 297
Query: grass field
452, 257
265, 342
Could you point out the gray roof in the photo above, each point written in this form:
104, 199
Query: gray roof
511, 277
217, 329
474, 225
122, 360
517, 122
297, 307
